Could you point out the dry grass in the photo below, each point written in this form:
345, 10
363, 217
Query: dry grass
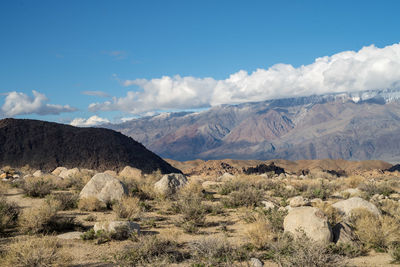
3, 188
8, 214
35, 251
150, 251
214, 251
260, 233
376, 232
193, 214
40, 219
244, 197
302, 251
68, 200
38, 186
91, 204
128, 208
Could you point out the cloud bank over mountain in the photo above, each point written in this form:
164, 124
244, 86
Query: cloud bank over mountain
17, 103
349, 71
92, 121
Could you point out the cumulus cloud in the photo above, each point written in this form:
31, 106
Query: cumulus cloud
350, 71
92, 121
96, 93
17, 103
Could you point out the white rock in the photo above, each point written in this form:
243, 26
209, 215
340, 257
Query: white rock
130, 172
69, 173
170, 183
120, 228
298, 201
58, 170
311, 221
38, 173
347, 206
254, 262
268, 205
105, 188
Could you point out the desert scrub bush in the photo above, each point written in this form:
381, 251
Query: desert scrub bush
193, 214
40, 219
347, 250
371, 188
248, 197
150, 250
276, 218
193, 189
68, 200
100, 236
390, 207
214, 251
91, 204
38, 186
320, 190
394, 251
302, 251
260, 233
9, 212
375, 232
3, 188
35, 251
128, 208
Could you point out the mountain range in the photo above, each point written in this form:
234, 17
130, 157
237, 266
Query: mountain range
352, 126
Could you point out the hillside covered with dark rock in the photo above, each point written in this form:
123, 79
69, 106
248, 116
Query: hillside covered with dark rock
46, 145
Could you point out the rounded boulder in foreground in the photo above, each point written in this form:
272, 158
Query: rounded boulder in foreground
309, 220
105, 188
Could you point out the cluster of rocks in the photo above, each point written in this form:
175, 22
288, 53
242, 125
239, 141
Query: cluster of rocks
302, 218
106, 188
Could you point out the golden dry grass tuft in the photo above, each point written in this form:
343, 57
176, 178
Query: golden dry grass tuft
38, 186
91, 204
260, 233
35, 251
39, 219
128, 208
376, 232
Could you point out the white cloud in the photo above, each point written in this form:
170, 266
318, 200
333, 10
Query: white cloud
92, 121
95, 93
367, 69
17, 103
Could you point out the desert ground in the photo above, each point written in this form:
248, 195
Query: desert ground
313, 213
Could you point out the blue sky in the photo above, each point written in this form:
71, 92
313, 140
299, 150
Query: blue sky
63, 49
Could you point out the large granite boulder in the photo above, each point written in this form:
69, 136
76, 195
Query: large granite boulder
170, 183
346, 207
105, 188
130, 172
309, 220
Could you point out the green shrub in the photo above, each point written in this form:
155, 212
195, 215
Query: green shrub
67, 200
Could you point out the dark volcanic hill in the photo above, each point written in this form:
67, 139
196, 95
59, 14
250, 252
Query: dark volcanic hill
46, 145
351, 126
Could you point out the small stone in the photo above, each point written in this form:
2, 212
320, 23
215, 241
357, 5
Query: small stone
254, 262
298, 202
268, 205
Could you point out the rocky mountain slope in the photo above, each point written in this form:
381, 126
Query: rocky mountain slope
46, 145
351, 126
